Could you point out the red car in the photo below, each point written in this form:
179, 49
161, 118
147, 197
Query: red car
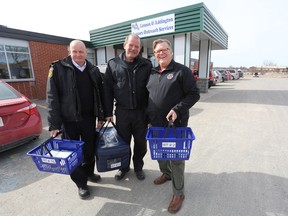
229, 75
20, 121
212, 79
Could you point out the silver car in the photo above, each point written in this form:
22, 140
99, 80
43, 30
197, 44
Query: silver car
234, 74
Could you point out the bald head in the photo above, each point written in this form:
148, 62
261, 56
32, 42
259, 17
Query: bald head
78, 51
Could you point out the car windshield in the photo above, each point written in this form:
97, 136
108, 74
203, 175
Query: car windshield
7, 93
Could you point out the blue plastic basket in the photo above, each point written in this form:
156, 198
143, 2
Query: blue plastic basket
47, 162
170, 143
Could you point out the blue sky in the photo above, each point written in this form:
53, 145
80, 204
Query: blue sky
257, 29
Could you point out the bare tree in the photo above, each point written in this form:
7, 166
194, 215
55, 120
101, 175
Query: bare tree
269, 63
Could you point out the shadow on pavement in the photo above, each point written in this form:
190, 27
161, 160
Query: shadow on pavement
18, 169
244, 193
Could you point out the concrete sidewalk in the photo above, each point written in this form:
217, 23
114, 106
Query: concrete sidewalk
238, 165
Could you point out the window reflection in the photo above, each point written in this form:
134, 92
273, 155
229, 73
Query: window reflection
19, 65
15, 62
4, 74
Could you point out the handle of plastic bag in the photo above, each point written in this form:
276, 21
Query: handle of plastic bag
105, 126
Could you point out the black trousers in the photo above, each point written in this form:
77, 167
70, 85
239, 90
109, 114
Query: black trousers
84, 131
133, 123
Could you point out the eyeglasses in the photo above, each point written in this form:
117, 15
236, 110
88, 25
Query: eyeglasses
163, 51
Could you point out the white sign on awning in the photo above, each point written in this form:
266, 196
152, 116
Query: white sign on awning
155, 26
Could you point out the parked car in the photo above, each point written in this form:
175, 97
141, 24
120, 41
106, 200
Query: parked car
20, 120
223, 74
229, 75
256, 74
234, 74
220, 77
212, 79
241, 74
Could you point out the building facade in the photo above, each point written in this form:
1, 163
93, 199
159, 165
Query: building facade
190, 29
25, 58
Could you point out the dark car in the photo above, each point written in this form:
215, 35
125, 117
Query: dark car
20, 121
256, 74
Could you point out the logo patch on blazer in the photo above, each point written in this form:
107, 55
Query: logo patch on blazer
169, 76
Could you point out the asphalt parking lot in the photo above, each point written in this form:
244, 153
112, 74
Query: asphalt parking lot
238, 164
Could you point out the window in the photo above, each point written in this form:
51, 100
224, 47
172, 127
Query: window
15, 62
91, 56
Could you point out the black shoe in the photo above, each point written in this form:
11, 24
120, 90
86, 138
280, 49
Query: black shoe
121, 173
83, 192
94, 178
140, 175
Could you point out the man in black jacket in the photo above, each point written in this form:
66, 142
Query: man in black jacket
172, 92
125, 82
74, 100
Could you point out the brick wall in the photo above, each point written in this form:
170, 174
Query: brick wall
26, 88
42, 54
202, 84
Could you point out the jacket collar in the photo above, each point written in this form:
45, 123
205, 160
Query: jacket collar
67, 61
169, 67
122, 57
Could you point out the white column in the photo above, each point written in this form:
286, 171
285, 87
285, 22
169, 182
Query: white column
179, 48
204, 58
188, 50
